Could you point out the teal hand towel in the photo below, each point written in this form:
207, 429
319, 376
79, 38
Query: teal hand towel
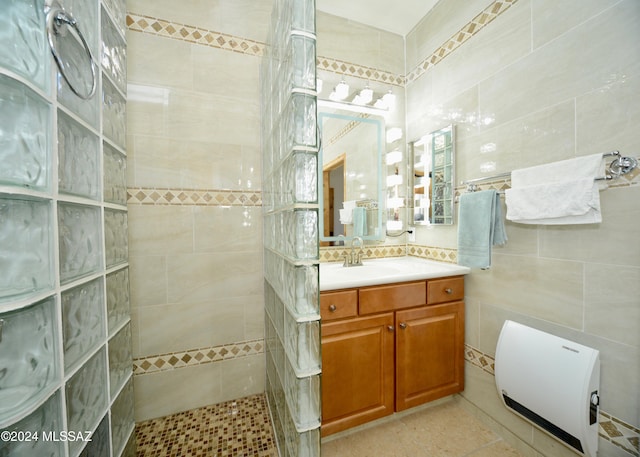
359, 221
480, 225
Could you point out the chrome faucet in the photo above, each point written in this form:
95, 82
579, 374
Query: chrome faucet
354, 258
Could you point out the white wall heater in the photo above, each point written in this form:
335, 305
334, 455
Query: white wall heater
551, 382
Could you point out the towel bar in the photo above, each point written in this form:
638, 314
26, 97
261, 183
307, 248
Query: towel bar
618, 167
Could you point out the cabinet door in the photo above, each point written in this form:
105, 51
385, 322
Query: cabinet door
357, 371
429, 353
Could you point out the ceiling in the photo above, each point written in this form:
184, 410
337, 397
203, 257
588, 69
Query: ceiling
398, 16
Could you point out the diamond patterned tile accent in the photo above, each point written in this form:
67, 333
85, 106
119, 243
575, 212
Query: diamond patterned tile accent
352, 69
164, 362
183, 32
190, 197
477, 23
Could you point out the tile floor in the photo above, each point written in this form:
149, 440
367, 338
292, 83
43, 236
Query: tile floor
241, 428
238, 428
444, 430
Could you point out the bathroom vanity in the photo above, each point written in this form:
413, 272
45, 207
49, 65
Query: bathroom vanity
392, 338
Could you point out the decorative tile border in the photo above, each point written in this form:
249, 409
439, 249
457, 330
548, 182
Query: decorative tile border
193, 357
433, 253
359, 71
337, 253
612, 429
191, 197
465, 33
191, 34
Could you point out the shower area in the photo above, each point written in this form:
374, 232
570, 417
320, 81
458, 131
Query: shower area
65, 335
290, 144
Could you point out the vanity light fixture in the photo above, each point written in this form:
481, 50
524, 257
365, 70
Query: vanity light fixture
342, 90
390, 99
395, 202
394, 134
364, 97
394, 180
393, 157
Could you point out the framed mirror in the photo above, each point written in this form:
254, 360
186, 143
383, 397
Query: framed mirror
432, 160
350, 176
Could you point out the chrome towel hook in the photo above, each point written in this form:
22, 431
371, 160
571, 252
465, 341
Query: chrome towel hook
57, 18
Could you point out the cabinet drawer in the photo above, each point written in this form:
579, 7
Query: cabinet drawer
338, 305
444, 290
388, 298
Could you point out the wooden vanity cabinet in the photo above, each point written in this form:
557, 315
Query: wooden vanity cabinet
429, 353
357, 372
388, 348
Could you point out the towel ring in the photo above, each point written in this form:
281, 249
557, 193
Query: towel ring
56, 18
622, 166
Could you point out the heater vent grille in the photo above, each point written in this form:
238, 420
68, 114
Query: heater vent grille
542, 422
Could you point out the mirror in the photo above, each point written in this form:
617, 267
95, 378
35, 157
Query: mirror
350, 163
432, 159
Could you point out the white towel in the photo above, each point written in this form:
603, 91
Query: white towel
563, 192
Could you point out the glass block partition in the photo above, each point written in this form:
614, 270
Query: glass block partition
290, 211
65, 333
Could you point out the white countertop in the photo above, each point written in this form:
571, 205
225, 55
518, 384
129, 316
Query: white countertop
384, 271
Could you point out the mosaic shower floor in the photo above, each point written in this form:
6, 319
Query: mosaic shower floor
241, 428
238, 428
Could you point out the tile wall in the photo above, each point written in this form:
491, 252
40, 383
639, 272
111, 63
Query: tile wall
195, 191
65, 331
529, 82
194, 196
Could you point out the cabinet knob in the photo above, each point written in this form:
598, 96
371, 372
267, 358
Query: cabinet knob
448, 291
402, 325
333, 308
390, 328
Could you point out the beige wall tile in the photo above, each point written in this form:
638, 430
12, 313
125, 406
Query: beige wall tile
158, 62
160, 230
437, 27
541, 137
561, 71
544, 288
185, 326
197, 116
160, 162
234, 229
607, 118
366, 46
243, 376
146, 118
199, 277
220, 72
169, 392
148, 280
551, 18
612, 295
254, 317
477, 59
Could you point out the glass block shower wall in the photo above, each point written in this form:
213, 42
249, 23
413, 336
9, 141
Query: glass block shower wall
65, 336
290, 205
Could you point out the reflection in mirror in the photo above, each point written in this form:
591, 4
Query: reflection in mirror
433, 164
350, 159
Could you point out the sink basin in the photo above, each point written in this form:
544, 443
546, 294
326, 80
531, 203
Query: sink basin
383, 271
